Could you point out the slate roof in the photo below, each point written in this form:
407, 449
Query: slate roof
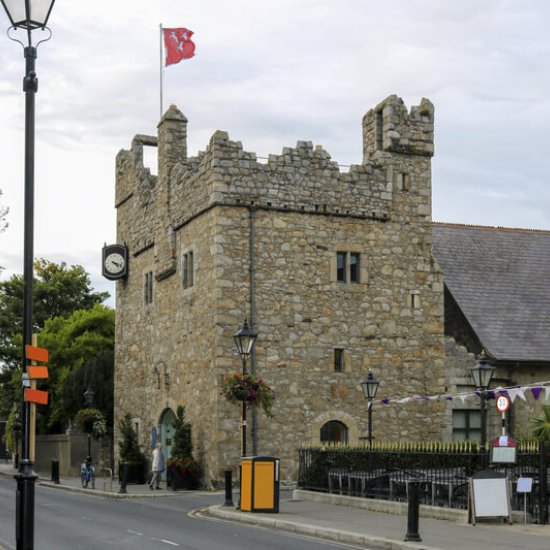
500, 278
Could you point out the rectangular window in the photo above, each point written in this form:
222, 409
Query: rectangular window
341, 267
338, 360
348, 267
466, 425
188, 279
148, 288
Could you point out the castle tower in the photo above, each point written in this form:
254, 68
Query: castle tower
333, 268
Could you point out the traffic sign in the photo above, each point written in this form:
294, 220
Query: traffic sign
503, 403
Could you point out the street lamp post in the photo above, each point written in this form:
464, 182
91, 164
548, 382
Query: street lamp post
16, 433
482, 374
244, 338
27, 15
370, 387
89, 399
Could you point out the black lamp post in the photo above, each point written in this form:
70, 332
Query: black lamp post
370, 387
27, 15
244, 338
482, 374
89, 399
16, 433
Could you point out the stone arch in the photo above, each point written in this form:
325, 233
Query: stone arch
314, 432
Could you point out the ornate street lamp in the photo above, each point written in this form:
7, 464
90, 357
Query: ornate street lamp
89, 399
245, 339
27, 15
482, 374
370, 387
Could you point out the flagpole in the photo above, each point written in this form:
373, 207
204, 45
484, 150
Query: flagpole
161, 71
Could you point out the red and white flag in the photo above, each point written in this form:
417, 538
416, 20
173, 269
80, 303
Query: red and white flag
178, 45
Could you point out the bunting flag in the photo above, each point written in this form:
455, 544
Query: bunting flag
511, 392
178, 45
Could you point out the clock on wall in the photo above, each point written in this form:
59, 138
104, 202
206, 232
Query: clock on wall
114, 262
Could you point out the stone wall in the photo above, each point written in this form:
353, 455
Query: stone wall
70, 450
264, 239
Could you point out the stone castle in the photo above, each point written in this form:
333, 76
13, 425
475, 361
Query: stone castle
334, 270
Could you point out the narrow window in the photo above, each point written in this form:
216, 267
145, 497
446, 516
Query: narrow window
341, 267
338, 360
405, 181
354, 267
379, 129
148, 288
413, 299
188, 277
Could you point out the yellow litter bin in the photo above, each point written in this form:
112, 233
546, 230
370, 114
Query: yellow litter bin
260, 484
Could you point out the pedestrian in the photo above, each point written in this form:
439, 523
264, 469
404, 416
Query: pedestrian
158, 467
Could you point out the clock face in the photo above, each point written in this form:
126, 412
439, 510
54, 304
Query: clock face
114, 263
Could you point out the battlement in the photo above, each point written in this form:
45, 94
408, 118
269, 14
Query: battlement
389, 127
303, 179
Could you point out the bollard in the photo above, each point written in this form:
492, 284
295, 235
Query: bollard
228, 488
55, 471
413, 513
123, 478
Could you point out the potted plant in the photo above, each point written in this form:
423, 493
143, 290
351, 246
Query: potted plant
133, 464
248, 389
183, 469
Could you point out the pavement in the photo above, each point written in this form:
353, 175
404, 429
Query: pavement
358, 522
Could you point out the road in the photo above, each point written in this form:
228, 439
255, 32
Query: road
73, 521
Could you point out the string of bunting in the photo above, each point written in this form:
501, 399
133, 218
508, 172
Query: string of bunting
511, 391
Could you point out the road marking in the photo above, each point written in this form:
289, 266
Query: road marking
167, 542
134, 532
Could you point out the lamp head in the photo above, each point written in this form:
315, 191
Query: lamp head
482, 373
245, 338
89, 396
370, 386
28, 14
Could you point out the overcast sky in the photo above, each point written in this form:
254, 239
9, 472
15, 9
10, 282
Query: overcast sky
271, 73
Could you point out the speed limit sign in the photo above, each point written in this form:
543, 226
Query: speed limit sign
503, 403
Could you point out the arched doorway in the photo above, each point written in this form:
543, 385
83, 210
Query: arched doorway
167, 421
334, 431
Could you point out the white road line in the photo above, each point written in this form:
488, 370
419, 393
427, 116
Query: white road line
134, 532
167, 542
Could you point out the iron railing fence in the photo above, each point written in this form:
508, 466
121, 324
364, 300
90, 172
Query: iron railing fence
441, 476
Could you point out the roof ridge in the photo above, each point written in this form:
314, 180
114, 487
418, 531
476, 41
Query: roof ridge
491, 227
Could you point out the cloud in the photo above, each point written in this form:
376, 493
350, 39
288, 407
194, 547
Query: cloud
271, 73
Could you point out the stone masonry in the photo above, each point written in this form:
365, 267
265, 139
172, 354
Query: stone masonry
264, 238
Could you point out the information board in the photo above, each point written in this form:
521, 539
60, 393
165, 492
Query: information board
489, 496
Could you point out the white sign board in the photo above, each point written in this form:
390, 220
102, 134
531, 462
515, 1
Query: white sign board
490, 498
525, 484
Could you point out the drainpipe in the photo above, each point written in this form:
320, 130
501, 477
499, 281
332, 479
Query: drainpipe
252, 300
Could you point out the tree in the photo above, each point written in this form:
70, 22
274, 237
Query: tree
128, 446
182, 444
58, 291
81, 357
183, 469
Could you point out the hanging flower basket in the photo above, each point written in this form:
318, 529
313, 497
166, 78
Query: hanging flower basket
246, 388
91, 421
